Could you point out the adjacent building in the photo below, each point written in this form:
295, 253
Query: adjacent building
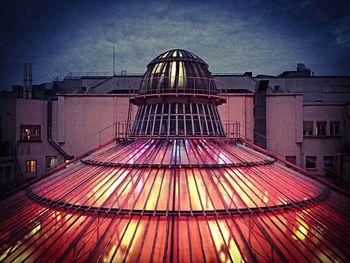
299, 116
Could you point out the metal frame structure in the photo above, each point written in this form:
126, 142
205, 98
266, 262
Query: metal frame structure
175, 198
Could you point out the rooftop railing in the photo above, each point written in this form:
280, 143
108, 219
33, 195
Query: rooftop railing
177, 86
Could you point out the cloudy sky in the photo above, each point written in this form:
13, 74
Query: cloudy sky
265, 37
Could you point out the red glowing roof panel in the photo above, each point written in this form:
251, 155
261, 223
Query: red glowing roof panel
175, 206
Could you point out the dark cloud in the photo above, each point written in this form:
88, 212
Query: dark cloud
265, 37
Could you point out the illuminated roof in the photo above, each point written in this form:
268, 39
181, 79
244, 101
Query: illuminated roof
178, 71
177, 97
120, 184
177, 54
176, 196
175, 200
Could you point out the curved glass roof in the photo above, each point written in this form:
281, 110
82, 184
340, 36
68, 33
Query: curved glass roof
169, 201
177, 54
178, 71
211, 178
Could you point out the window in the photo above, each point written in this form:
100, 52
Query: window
310, 162
177, 119
308, 128
328, 161
31, 166
334, 128
329, 166
291, 159
30, 133
51, 161
320, 128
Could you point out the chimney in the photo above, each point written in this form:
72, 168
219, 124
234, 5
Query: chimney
27, 80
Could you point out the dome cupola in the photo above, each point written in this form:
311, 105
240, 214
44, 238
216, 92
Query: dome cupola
177, 97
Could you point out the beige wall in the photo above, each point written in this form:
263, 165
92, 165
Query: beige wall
84, 121
239, 108
327, 145
285, 114
284, 125
77, 121
33, 112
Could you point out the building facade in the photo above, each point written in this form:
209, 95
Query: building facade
303, 118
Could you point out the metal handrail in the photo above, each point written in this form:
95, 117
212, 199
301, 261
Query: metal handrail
165, 84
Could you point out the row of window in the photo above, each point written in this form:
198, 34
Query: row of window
321, 128
177, 119
311, 161
177, 108
32, 165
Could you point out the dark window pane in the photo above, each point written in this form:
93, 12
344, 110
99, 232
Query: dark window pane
200, 107
180, 108
166, 109
320, 128
187, 109
197, 130
164, 130
172, 125
181, 126
307, 128
159, 109
150, 124
310, 162
194, 109
206, 109
173, 108
189, 125
210, 128
334, 128
204, 125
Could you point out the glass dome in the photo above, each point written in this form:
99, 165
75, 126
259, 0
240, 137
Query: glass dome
178, 71
177, 97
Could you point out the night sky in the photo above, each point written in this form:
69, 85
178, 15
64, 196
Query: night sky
265, 37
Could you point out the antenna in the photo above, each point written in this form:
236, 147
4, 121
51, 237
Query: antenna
113, 60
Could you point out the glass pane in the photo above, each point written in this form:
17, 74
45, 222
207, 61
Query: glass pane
159, 109
194, 109
164, 130
172, 125
180, 108
189, 125
204, 125
181, 125
166, 109
187, 109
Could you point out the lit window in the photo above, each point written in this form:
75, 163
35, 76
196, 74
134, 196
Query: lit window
51, 161
30, 133
31, 166
334, 128
320, 128
308, 128
310, 162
